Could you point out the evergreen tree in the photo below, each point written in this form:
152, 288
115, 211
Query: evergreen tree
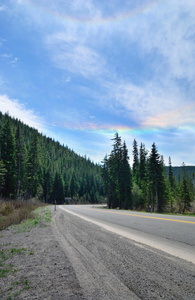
142, 165
58, 190
21, 154
2, 176
105, 176
171, 176
113, 184
116, 173
135, 162
157, 180
47, 186
67, 186
34, 166
116, 166
143, 177
126, 181
171, 185
73, 186
8, 155
186, 197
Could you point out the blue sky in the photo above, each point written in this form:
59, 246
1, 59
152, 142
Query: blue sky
81, 70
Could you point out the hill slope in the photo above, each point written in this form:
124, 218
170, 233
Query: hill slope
33, 165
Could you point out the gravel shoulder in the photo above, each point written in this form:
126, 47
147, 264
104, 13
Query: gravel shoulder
70, 258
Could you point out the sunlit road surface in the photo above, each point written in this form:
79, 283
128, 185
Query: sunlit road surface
172, 234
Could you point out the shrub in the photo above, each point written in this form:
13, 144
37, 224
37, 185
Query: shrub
14, 212
6, 208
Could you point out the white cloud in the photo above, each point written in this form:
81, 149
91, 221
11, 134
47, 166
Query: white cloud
14, 61
5, 55
167, 32
18, 110
69, 52
149, 105
9, 58
3, 8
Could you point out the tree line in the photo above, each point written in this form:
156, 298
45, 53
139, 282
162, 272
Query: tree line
33, 165
147, 185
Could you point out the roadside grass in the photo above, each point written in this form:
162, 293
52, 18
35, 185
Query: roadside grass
39, 217
14, 212
7, 252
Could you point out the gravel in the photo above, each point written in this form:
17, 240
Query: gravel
73, 259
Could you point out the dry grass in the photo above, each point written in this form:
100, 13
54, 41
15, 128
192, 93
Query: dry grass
14, 212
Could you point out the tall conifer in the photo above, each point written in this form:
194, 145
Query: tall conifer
8, 155
34, 165
135, 162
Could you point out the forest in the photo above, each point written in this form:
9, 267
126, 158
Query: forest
148, 185
35, 166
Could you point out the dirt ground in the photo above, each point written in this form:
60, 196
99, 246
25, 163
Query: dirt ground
39, 267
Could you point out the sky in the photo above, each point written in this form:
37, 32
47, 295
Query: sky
81, 70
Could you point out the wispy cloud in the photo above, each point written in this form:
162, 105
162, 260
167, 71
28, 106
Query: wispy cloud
183, 116
3, 8
9, 58
72, 54
171, 42
18, 110
6, 55
167, 32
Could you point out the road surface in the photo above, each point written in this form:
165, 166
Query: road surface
172, 234
128, 255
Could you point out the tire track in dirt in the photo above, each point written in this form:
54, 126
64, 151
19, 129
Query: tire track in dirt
95, 279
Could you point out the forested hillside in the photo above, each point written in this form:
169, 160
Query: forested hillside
147, 185
178, 171
33, 165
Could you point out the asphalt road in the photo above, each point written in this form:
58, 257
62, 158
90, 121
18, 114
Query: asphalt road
174, 235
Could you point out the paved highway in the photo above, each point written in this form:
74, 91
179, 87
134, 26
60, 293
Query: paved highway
174, 235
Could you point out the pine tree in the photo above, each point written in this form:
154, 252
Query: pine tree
2, 176
116, 166
116, 174
126, 181
135, 162
142, 165
186, 197
58, 190
33, 166
171, 185
105, 176
171, 176
157, 180
21, 154
47, 186
142, 194
113, 187
8, 155
73, 186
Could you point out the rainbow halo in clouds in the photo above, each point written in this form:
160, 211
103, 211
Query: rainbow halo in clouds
84, 15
